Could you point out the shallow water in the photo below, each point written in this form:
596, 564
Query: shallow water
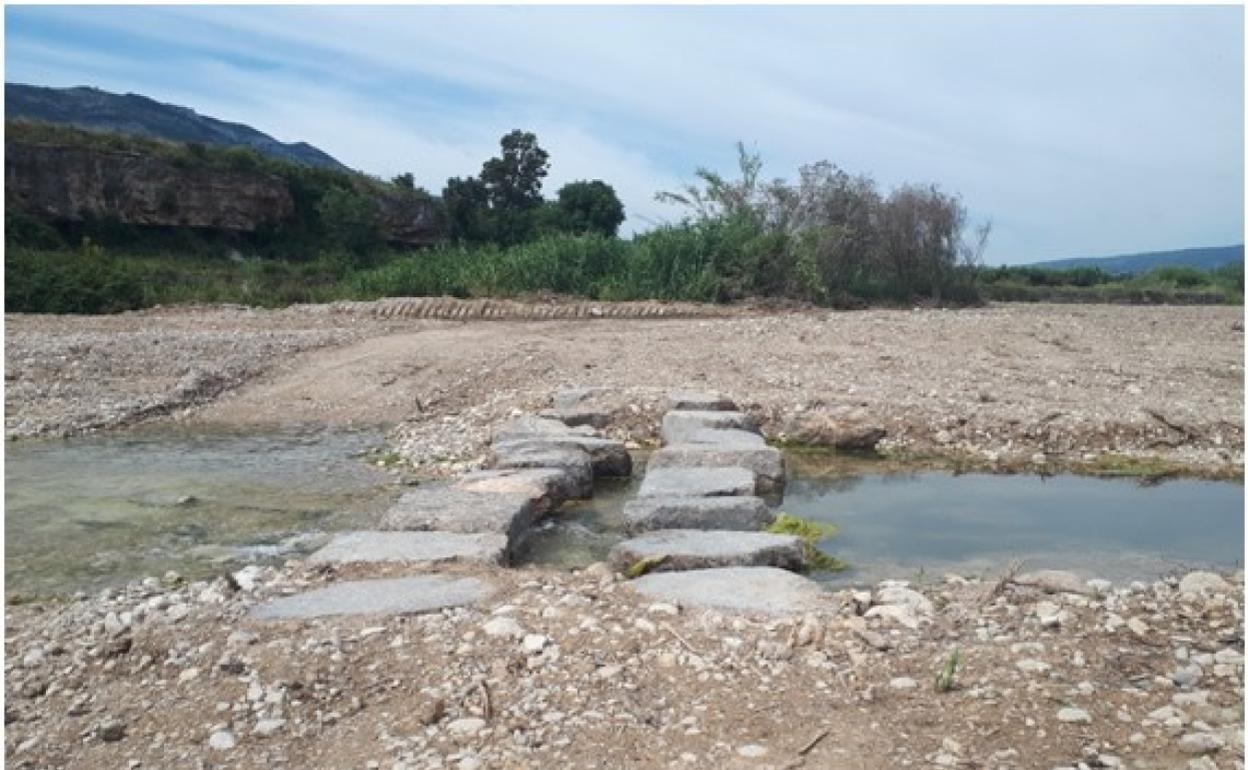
922, 525
92, 511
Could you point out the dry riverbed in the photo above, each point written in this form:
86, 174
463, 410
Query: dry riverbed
1036, 386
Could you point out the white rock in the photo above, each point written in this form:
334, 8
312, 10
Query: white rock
902, 683
222, 740
752, 751
503, 626
267, 727
894, 613
1032, 666
1074, 716
1202, 583
1200, 743
908, 597
467, 726
534, 643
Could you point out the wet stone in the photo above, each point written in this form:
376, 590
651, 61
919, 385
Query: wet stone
696, 482
687, 549
764, 462
736, 513
572, 461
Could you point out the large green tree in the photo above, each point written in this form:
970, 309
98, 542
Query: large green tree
589, 207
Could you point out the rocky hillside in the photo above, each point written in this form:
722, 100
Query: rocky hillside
91, 108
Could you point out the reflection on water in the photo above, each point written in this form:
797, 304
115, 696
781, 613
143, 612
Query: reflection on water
97, 510
922, 524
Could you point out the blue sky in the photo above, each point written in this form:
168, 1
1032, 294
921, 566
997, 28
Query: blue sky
1079, 131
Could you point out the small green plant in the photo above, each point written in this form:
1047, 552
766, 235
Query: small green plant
642, 566
811, 532
947, 677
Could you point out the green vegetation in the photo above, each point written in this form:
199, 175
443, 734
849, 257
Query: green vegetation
811, 532
947, 677
1188, 285
643, 566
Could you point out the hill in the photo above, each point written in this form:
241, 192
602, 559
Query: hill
91, 108
1208, 258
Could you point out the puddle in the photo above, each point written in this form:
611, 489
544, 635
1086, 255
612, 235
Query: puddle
92, 511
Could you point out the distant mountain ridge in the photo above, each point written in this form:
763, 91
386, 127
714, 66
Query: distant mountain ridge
92, 108
1208, 258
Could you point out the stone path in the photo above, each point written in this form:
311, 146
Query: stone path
699, 508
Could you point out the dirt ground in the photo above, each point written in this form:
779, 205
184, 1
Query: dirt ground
1005, 384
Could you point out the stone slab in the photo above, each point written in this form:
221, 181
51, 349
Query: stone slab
370, 547
576, 416
700, 400
686, 549
720, 438
572, 462
765, 590
681, 426
449, 508
745, 513
399, 596
528, 427
547, 487
607, 456
766, 463
696, 482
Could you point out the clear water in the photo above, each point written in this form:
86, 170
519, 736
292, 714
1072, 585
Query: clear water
92, 511
923, 525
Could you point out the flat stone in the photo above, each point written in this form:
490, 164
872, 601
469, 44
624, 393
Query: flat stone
528, 426
686, 549
766, 463
448, 508
766, 590
412, 547
608, 457
577, 416
736, 513
699, 400
572, 461
679, 426
547, 487
1053, 581
398, 596
696, 482
720, 438
567, 398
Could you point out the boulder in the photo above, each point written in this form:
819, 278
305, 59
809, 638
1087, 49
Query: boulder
411, 547
607, 457
1203, 583
697, 400
696, 482
686, 549
734, 513
572, 463
678, 426
448, 508
400, 596
547, 487
766, 463
764, 590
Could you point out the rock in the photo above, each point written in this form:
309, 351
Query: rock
1032, 666
686, 549
222, 740
766, 463
528, 427
1203, 583
396, 596
902, 683
572, 461
873, 640
1187, 676
848, 429
534, 643
1053, 581
447, 508
696, 482
412, 547
899, 614
1098, 587
1201, 763
720, 438
465, 727
682, 427
111, 730
546, 487
735, 513
743, 589
1200, 743
503, 626
698, 401
752, 751
266, 727
908, 597
1072, 715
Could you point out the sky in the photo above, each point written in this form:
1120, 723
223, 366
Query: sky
1078, 131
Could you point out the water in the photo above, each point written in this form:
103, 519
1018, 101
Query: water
92, 511
923, 525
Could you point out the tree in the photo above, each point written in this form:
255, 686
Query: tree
406, 181
466, 202
513, 185
350, 220
589, 207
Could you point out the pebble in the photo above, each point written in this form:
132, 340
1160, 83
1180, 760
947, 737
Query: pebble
503, 626
1200, 743
111, 730
1072, 715
465, 727
267, 727
752, 751
222, 740
902, 683
534, 643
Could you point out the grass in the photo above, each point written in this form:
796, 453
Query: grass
811, 533
643, 566
947, 677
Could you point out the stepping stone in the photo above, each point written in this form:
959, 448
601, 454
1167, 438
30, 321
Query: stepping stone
530, 427
765, 590
696, 482
571, 462
547, 487
736, 513
695, 400
578, 416
607, 456
449, 508
686, 549
720, 438
766, 463
401, 596
680, 426
567, 398
411, 547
